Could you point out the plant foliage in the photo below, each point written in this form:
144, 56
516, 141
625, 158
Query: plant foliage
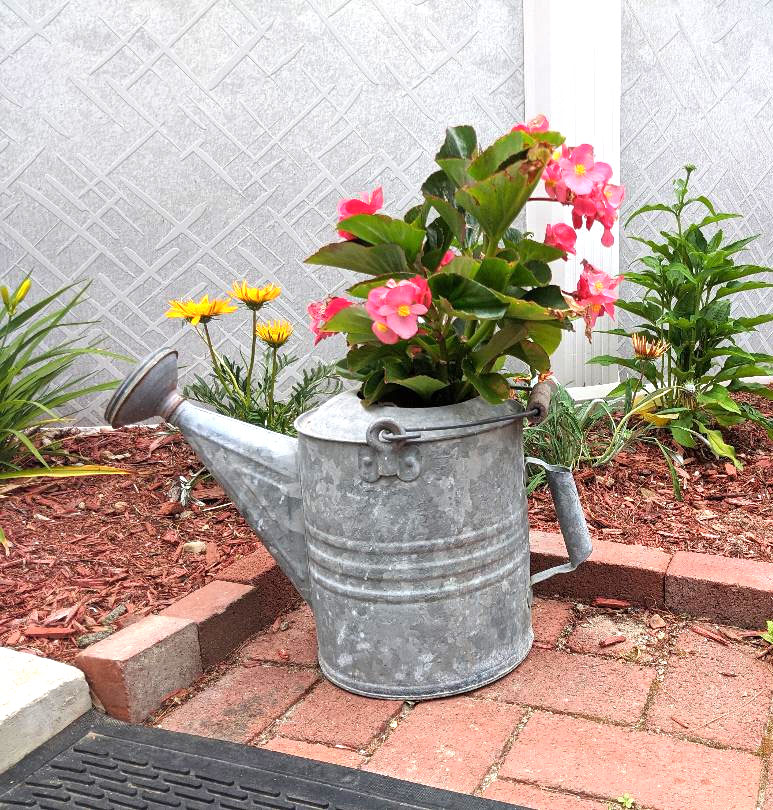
493, 301
252, 406
38, 351
688, 335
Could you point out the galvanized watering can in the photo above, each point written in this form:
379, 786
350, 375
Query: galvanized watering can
405, 529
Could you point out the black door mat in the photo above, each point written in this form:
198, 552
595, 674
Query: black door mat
102, 764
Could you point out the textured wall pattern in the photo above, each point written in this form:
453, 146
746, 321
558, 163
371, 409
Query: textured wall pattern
163, 148
698, 88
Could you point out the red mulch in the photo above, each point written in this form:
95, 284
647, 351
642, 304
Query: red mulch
84, 546
725, 511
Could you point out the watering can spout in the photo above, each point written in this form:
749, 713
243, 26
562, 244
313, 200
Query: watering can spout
257, 468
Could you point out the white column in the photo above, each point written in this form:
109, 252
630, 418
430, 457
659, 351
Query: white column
572, 75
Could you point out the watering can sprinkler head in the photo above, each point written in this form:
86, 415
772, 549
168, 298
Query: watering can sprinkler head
150, 390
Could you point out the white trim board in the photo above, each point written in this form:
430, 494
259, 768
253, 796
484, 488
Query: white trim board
582, 100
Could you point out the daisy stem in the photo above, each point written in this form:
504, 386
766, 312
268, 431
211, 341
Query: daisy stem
248, 382
270, 392
215, 361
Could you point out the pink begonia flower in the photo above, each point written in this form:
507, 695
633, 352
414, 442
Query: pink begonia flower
448, 257
580, 172
614, 195
537, 124
322, 311
596, 293
561, 236
555, 187
396, 306
364, 204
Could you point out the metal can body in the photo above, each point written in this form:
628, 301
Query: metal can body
419, 581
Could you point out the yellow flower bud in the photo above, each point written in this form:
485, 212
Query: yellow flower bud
21, 293
5, 296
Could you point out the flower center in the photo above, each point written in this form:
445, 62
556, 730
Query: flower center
404, 310
579, 169
382, 327
598, 286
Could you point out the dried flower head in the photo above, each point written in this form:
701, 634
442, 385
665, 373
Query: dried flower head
648, 349
203, 310
274, 333
254, 297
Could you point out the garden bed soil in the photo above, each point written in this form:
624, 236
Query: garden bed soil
83, 547
723, 510
86, 548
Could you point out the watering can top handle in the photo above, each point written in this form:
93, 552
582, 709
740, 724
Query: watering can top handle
571, 519
539, 400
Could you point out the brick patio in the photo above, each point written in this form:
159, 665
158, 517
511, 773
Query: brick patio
676, 720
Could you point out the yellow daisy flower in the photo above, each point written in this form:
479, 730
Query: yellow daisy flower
274, 333
254, 297
203, 310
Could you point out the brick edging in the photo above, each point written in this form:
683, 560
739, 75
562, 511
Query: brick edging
133, 671
722, 589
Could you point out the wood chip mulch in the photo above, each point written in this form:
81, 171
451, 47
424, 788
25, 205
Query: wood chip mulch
96, 553
725, 511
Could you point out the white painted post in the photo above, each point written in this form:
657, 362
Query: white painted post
572, 52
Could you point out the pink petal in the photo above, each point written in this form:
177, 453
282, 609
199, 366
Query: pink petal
578, 183
385, 336
406, 326
583, 154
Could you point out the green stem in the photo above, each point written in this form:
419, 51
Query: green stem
272, 383
213, 356
491, 248
484, 331
248, 382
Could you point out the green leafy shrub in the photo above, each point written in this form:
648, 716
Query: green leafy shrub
686, 344
37, 353
36, 363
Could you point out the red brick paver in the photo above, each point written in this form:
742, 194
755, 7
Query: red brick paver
581, 684
714, 693
601, 743
532, 796
135, 669
331, 715
448, 743
226, 614
297, 644
658, 771
317, 751
591, 635
720, 588
242, 704
634, 573
549, 618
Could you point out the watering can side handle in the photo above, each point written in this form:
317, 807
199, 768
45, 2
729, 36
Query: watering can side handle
571, 519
